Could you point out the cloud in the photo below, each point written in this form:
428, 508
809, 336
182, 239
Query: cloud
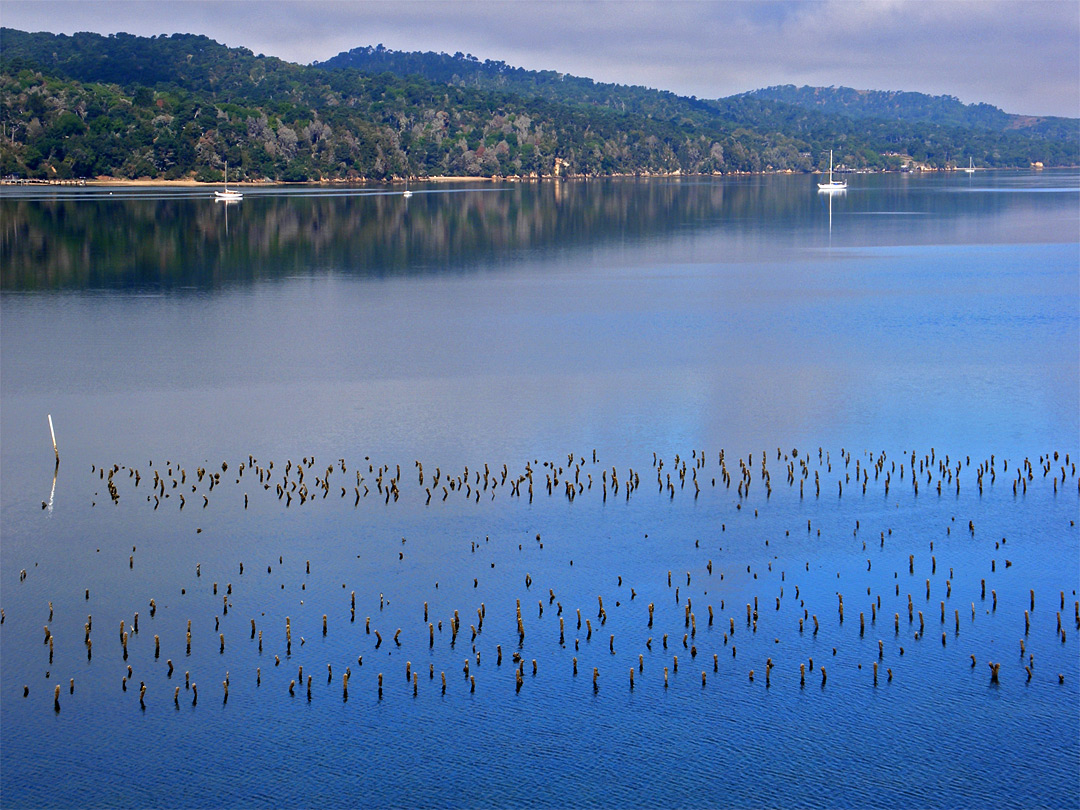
1021, 55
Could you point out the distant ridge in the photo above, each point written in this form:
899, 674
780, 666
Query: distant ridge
179, 106
768, 110
468, 71
895, 105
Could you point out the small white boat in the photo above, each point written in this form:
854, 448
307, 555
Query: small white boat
406, 194
226, 195
832, 185
971, 166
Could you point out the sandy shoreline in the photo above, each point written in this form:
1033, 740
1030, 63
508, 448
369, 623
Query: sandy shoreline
189, 183
374, 184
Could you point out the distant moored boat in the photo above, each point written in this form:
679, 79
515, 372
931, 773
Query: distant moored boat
225, 195
832, 185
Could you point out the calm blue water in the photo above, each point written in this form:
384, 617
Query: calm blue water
534, 326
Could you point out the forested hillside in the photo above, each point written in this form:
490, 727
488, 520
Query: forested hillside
931, 129
179, 106
906, 106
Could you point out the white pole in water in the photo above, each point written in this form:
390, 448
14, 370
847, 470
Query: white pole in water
53, 432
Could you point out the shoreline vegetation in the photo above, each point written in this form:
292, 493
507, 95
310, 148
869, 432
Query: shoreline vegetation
181, 107
190, 182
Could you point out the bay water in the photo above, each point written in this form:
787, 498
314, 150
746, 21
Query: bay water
745, 404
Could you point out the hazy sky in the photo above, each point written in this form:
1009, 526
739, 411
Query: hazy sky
1020, 55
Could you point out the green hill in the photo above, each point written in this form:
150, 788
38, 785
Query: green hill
916, 107
883, 122
179, 106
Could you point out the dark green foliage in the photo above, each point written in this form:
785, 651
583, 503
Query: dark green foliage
910, 107
182, 105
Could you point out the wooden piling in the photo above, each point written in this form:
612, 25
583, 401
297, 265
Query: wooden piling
52, 433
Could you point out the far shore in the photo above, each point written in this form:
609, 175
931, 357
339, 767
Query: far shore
188, 182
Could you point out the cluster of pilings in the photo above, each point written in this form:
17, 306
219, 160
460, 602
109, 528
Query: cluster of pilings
784, 603
306, 482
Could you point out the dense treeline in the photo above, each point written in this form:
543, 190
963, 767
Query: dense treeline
65, 113
465, 70
891, 105
874, 126
181, 106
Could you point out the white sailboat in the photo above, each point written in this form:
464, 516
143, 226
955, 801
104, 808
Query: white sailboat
407, 193
832, 185
971, 166
226, 195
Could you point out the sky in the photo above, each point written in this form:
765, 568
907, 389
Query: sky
1020, 55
